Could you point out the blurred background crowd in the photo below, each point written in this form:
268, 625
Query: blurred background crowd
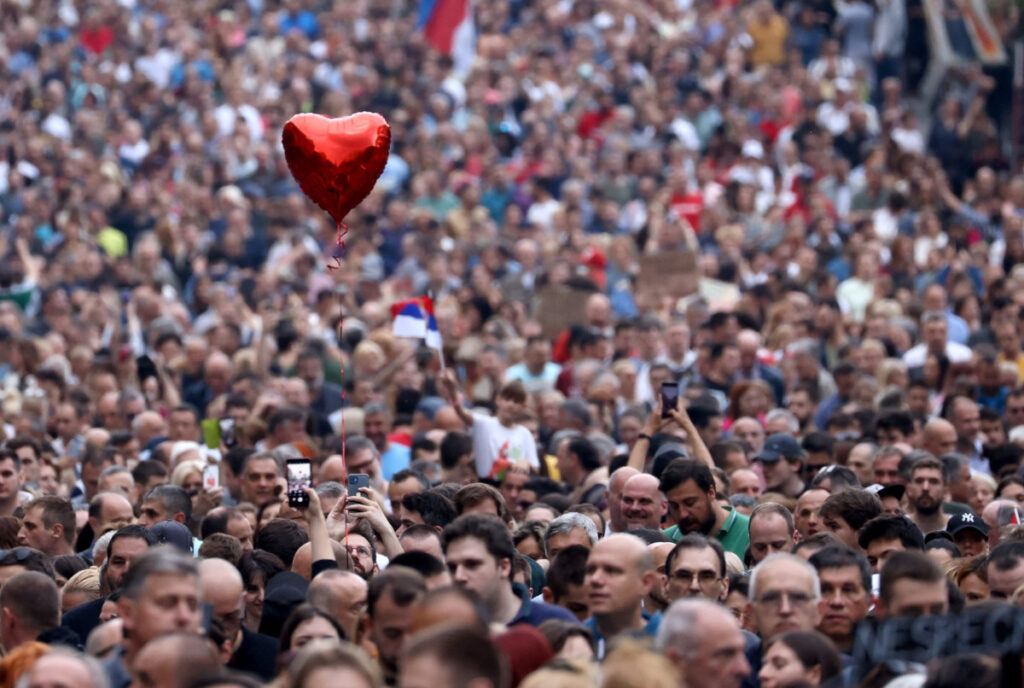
841, 176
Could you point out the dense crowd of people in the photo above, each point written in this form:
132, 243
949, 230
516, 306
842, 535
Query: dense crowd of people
602, 478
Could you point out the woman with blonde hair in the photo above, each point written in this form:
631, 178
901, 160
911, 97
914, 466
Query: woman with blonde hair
983, 491
189, 476
562, 673
82, 587
327, 662
892, 372
629, 665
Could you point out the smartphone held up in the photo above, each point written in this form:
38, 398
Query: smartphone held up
669, 398
300, 475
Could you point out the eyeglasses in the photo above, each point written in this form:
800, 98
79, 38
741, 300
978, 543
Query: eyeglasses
774, 598
705, 577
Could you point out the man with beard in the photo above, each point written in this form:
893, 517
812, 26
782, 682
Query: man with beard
124, 547
362, 550
689, 489
924, 495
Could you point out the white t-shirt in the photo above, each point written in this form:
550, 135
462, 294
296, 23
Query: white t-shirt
491, 439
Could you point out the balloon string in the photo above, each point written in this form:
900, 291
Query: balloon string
339, 246
339, 250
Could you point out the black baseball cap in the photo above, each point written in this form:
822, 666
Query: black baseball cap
780, 446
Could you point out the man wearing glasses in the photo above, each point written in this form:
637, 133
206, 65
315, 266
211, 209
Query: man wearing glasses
696, 568
784, 596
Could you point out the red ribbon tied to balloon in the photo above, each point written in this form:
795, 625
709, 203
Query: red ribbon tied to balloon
336, 161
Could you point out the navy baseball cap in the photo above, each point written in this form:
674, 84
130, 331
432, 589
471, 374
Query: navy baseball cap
779, 446
966, 521
172, 533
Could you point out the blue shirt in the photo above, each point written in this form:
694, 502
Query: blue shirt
395, 459
650, 629
535, 613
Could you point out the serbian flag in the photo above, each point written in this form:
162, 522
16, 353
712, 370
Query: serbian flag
415, 318
1015, 519
448, 27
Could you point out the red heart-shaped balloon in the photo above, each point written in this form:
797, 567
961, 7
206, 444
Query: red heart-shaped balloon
336, 161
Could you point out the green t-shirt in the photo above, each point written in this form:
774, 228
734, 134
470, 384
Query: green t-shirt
734, 535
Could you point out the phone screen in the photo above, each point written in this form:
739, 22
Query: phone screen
299, 474
669, 398
227, 432
211, 476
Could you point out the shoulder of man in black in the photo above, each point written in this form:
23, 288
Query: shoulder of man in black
257, 654
83, 618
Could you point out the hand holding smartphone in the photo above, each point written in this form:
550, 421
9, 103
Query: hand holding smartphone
669, 398
356, 482
299, 473
228, 437
211, 476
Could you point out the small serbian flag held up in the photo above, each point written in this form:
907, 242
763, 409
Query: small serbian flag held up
415, 318
448, 27
1015, 519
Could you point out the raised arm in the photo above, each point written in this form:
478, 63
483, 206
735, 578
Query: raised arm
642, 446
365, 507
450, 391
700, 450
319, 540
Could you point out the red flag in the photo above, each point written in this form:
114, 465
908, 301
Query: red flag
1015, 519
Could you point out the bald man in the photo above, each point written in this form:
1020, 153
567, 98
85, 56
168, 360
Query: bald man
657, 599
620, 574
617, 481
147, 426
217, 372
996, 515
302, 564
342, 595
939, 437
746, 482
642, 503
598, 312
749, 430
332, 470
222, 589
704, 641
174, 660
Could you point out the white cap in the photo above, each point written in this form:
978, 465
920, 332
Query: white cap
752, 149
182, 446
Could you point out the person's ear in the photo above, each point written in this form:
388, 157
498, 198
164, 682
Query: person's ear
57, 532
180, 518
547, 595
814, 675
725, 588
647, 580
